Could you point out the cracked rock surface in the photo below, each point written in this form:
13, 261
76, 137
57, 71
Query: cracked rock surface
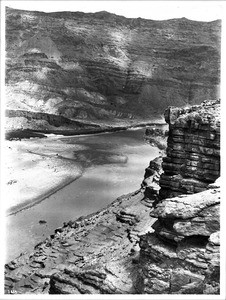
97, 254
141, 243
182, 255
192, 159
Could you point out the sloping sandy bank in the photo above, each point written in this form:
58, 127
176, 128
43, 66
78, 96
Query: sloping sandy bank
34, 169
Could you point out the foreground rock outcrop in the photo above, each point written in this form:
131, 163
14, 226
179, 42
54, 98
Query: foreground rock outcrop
182, 255
140, 243
193, 149
97, 254
94, 254
100, 66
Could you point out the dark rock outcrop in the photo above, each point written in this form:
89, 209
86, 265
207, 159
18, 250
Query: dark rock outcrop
133, 246
182, 255
97, 254
94, 254
106, 67
150, 183
193, 149
54, 120
156, 136
22, 122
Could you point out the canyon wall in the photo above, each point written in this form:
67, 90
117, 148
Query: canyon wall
182, 255
100, 66
139, 244
43, 121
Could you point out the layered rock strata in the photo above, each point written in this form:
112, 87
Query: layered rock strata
96, 254
133, 246
193, 149
150, 183
182, 255
116, 251
102, 66
41, 120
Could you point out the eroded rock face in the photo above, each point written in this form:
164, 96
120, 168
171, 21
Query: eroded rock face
150, 183
92, 255
119, 250
182, 255
106, 67
52, 120
193, 149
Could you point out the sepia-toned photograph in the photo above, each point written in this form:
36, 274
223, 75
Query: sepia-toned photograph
111, 149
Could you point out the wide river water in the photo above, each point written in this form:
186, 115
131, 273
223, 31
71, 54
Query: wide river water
114, 164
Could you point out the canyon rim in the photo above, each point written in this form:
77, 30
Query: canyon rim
76, 74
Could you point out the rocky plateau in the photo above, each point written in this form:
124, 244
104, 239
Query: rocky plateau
101, 68
160, 239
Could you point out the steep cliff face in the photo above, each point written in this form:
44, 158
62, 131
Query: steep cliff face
182, 255
103, 66
138, 244
193, 150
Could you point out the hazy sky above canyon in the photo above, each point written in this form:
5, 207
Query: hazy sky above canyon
156, 10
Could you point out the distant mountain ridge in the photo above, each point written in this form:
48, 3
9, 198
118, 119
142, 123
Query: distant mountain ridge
101, 66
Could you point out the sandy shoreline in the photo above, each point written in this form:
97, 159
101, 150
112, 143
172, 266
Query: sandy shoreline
28, 204
35, 169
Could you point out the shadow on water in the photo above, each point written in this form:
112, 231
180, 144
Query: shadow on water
98, 157
101, 149
114, 165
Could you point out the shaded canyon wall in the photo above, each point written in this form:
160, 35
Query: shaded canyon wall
102, 66
182, 254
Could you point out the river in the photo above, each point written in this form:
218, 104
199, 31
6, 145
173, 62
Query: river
114, 165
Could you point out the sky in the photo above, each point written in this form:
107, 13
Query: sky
155, 10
